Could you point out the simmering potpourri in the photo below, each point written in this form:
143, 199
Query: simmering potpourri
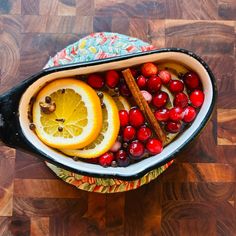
117, 117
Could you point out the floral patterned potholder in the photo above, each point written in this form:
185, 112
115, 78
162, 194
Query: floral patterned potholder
92, 47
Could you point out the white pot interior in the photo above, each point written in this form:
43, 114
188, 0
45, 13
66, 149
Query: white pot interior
137, 167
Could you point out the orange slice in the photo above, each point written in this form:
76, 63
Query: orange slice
122, 103
107, 136
77, 119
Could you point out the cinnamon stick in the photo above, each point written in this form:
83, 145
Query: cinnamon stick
142, 104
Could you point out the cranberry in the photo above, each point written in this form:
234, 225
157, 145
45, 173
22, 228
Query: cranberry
96, 81
154, 84
92, 160
122, 158
181, 100
124, 90
106, 159
136, 117
189, 114
147, 96
160, 99
141, 81
149, 69
191, 80
124, 117
129, 133
176, 113
197, 98
133, 72
162, 114
136, 149
176, 86
144, 133
173, 126
165, 76
116, 146
154, 146
112, 78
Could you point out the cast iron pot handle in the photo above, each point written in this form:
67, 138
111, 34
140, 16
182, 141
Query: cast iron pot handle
10, 130
9, 124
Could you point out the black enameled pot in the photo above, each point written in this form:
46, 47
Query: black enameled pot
14, 124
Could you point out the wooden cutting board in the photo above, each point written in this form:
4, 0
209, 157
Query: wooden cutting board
196, 195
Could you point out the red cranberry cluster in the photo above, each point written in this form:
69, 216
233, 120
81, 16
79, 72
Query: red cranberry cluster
136, 139
97, 81
185, 103
187, 92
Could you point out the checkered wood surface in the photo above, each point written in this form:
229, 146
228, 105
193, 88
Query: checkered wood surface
196, 195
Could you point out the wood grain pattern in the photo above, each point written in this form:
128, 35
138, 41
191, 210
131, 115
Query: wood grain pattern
204, 149
85, 7
29, 167
185, 35
226, 126
225, 78
48, 7
118, 25
226, 154
10, 42
43, 207
186, 210
139, 28
209, 10
198, 227
156, 32
18, 225
6, 200
195, 7
48, 188
39, 226
196, 195
202, 191
115, 215
7, 164
227, 9
96, 214
200, 172
133, 8
66, 8
29, 7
